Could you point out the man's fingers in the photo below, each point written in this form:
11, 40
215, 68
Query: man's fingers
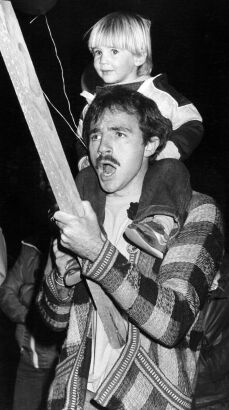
87, 206
55, 243
55, 246
62, 217
63, 240
88, 210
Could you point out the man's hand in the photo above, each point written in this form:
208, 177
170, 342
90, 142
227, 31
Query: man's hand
61, 258
80, 234
68, 267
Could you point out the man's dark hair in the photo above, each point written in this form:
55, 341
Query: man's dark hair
151, 121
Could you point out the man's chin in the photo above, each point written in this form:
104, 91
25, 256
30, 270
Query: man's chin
107, 190
107, 187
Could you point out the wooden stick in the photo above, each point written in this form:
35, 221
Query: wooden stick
36, 112
43, 131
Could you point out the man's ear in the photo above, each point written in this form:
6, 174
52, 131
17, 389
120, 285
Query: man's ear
139, 59
151, 146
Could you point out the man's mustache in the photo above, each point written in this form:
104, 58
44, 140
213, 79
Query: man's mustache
107, 157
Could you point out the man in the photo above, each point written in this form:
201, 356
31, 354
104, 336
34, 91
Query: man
38, 346
159, 302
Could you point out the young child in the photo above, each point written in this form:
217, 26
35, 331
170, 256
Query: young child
121, 47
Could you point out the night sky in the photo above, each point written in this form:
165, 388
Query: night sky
190, 41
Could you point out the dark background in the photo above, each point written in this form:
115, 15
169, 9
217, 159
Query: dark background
190, 44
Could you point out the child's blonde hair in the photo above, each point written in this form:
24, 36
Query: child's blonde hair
125, 31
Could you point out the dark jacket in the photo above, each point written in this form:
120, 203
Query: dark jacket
38, 345
212, 389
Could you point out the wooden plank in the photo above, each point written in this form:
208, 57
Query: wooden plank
43, 131
36, 112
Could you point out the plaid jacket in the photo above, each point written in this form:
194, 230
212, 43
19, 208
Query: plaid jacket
163, 301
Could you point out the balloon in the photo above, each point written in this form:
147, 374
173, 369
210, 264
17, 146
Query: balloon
34, 7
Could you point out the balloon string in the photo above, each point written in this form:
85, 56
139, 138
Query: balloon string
62, 71
33, 20
64, 88
69, 125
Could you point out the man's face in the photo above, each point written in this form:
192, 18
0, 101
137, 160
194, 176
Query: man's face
117, 152
114, 65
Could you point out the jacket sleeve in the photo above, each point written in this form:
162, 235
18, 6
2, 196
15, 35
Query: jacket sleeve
54, 310
187, 137
3, 257
165, 305
10, 300
186, 120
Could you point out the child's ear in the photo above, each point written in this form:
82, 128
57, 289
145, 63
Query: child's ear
151, 147
139, 59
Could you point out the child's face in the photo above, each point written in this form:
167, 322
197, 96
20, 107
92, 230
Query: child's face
115, 65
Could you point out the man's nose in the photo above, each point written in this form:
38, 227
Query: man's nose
105, 146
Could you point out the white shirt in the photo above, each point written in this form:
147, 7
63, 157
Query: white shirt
103, 355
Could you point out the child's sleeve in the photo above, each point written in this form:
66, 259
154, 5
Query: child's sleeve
185, 139
186, 120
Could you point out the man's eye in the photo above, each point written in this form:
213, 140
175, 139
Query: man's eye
95, 137
120, 134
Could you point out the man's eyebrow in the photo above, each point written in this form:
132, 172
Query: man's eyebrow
113, 128
121, 128
93, 130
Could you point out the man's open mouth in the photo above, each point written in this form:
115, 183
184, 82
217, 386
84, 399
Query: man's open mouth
107, 169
